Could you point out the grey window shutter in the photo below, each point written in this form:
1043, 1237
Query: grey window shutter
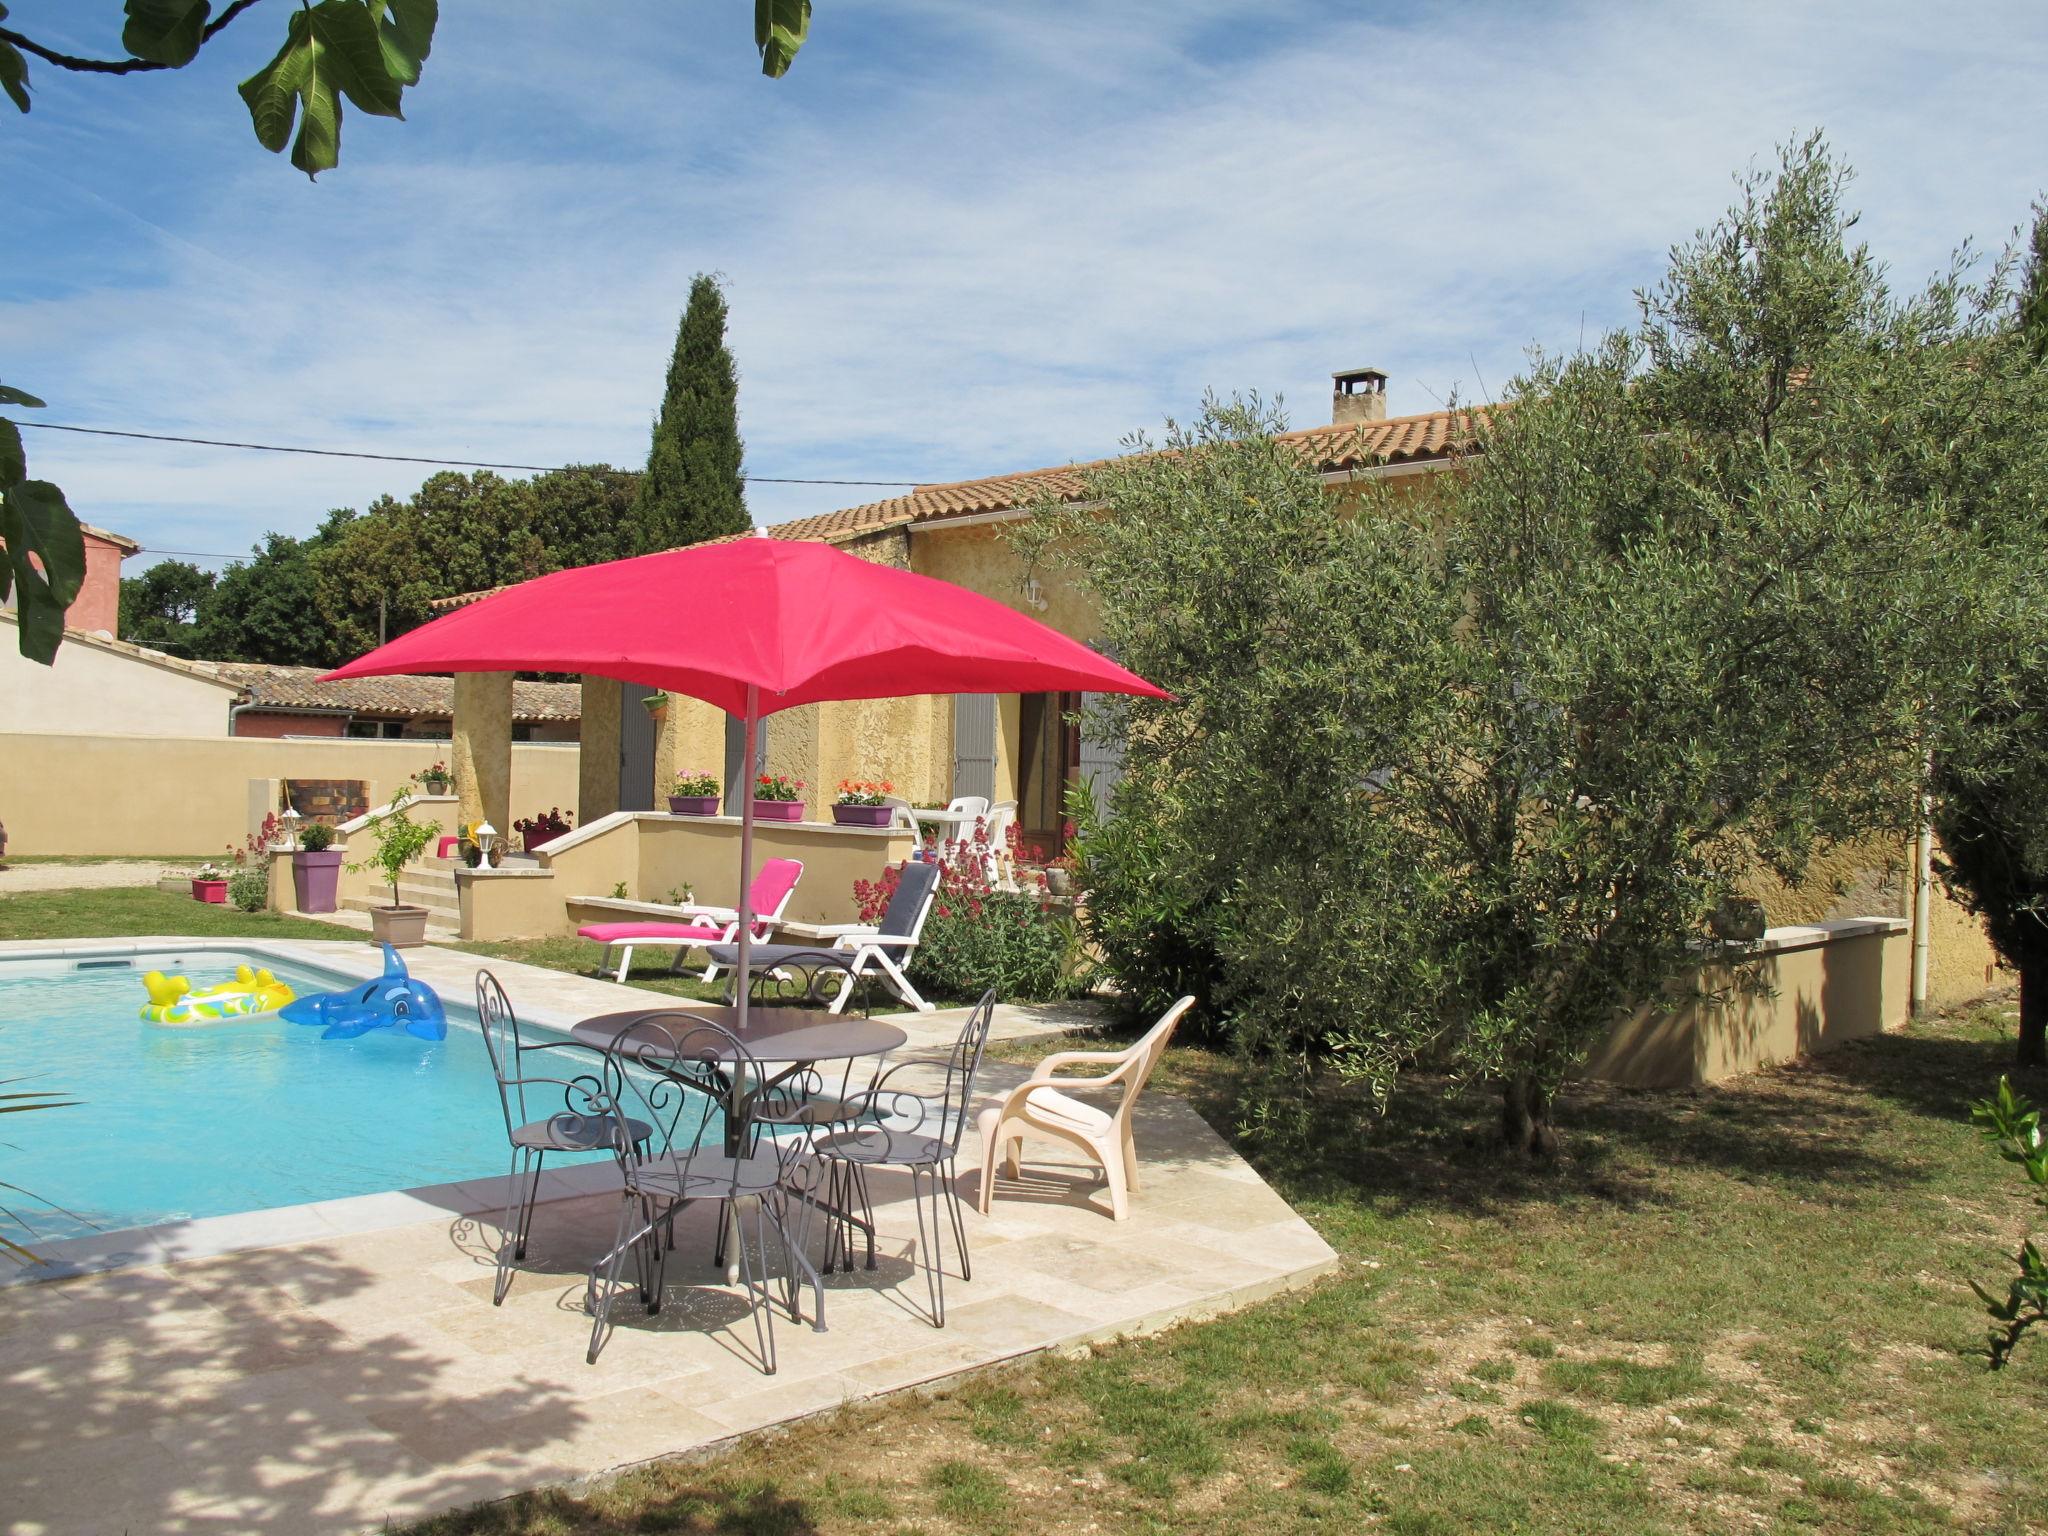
1102, 756
636, 749
974, 744
737, 782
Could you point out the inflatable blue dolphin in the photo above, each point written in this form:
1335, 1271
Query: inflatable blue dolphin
393, 1001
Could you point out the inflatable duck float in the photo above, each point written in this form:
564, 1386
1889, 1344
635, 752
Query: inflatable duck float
172, 1000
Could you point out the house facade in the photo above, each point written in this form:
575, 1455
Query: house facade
1030, 748
293, 701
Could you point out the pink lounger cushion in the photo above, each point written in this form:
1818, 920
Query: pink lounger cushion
673, 933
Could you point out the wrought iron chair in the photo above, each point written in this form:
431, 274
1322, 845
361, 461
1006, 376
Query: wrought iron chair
917, 1130
579, 1126
702, 1091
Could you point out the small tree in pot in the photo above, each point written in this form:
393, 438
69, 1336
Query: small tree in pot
399, 840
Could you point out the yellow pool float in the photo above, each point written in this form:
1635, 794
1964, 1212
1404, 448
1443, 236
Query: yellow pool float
172, 1000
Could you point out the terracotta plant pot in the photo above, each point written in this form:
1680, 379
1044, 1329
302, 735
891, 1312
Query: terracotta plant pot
862, 815
314, 879
693, 805
214, 892
400, 927
778, 810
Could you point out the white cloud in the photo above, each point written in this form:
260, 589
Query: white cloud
959, 240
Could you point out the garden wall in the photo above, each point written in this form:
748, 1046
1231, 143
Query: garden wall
180, 796
1808, 988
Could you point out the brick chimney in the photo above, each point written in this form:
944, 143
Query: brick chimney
1358, 394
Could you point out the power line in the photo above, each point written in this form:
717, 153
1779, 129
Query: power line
406, 458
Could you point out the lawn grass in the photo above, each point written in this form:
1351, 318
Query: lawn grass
1739, 1309
583, 958
120, 912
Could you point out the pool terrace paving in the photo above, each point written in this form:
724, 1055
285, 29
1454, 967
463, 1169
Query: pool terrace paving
330, 1377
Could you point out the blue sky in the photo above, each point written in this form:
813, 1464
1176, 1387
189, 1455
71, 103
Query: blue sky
959, 239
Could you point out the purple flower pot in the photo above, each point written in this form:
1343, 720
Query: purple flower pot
314, 879
693, 805
778, 810
862, 815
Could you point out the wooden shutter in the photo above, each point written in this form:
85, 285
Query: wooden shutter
636, 749
737, 783
974, 744
1102, 756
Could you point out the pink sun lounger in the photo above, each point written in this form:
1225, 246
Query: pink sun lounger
773, 885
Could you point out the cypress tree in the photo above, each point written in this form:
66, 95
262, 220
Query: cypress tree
692, 489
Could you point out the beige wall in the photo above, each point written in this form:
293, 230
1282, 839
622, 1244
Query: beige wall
1817, 988
92, 689
1875, 879
175, 796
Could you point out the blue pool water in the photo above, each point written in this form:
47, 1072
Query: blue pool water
236, 1116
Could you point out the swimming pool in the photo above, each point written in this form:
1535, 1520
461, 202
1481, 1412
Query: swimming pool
244, 1115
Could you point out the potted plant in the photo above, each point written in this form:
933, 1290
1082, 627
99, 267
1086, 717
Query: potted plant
693, 794
863, 803
656, 705
210, 884
316, 868
436, 779
400, 840
778, 797
537, 831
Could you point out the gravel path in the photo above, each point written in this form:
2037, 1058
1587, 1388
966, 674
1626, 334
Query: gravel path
17, 878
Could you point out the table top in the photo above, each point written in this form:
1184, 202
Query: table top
772, 1034
946, 817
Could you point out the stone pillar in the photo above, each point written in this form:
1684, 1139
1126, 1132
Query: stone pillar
597, 765
482, 750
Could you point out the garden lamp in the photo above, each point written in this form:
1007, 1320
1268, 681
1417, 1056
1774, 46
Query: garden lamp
486, 834
290, 821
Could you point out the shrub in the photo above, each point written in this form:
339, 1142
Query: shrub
249, 888
979, 936
316, 837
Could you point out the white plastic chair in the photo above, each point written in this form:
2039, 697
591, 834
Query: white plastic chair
1001, 817
1044, 1105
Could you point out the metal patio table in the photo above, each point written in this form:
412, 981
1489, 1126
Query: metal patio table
795, 1040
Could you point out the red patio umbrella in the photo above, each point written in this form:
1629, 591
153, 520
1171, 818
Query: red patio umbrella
755, 626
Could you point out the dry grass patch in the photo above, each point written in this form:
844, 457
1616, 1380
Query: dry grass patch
1736, 1310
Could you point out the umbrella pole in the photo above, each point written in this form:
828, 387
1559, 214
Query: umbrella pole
745, 903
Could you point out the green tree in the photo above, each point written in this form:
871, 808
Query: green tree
1464, 776
692, 489
367, 51
161, 607
1991, 785
269, 608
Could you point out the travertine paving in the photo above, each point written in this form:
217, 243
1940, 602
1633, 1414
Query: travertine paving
334, 1382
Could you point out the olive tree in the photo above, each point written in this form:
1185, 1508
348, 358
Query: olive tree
1991, 783
1465, 773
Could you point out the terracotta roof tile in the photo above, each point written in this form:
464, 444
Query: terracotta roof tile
286, 688
1330, 449
1361, 445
